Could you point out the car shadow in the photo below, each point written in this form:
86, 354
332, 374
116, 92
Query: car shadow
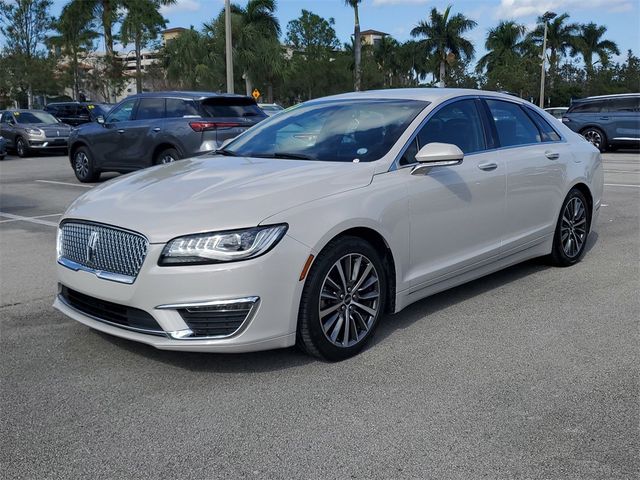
282, 359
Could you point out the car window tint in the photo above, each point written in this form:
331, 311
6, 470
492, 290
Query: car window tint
150, 108
628, 104
587, 107
513, 125
457, 123
123, 112
548, 132
178, 108
231, 107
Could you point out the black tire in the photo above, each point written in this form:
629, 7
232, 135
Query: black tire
168, 155
22, 148
311, 336
84, 166
597, 137
568, 231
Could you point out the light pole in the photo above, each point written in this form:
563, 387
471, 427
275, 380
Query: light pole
229, 49
545, 18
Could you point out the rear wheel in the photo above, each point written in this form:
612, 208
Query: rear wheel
84, 166
342, 300
22, 149
596, 137
168, 155
572, 230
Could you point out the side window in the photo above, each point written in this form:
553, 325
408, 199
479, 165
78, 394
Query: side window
150, 108
122, 112
8, 118
458, 123
178, 108
587, 107
628, 104
410, 153
548, 132
513, 125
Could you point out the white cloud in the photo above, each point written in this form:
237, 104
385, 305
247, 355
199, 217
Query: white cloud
525, 8
181, 6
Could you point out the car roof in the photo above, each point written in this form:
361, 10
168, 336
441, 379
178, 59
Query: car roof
606, 97
425, 94
186, 95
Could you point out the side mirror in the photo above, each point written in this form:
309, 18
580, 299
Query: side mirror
100, 119
437, 155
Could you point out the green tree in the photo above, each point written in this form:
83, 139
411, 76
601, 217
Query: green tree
444, 40
589, 42
413, 61
561, 38
386, 56
190, 62
24, 24
142, 23
503, 45
75, 34
357, 42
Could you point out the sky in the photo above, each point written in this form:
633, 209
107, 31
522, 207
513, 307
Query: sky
398, 17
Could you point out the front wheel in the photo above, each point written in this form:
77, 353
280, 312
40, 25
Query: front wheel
22, 149
572, 230
84, 166
596, 137
342, 300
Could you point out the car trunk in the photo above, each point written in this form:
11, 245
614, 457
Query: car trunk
227, 117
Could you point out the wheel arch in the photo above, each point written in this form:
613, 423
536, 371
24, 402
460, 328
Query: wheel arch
74, 147
586, 191
163, 146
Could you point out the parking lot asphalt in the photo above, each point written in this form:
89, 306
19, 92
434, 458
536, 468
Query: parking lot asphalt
531, 373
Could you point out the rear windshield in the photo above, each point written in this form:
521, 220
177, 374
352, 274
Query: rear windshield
231, 107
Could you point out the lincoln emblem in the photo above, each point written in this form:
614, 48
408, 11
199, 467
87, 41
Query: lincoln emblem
91, 246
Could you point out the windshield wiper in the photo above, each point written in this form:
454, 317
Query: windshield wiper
293, 156
225, 152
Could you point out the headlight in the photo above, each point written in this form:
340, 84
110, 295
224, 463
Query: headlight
34, 131
217, 247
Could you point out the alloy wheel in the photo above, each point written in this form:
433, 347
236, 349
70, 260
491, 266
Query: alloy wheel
20, 147
167, 159
349, 300
573, 230
82, 164
594, 137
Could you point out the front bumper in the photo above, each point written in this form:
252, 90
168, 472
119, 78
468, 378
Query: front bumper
48, 143
159, 291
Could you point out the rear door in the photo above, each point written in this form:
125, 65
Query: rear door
625, 119
536, 169
230, 116
143, 133
177, 131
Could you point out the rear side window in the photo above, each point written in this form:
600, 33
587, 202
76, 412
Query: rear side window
178, 108
547, 131
231, 107
513, 125
150, 108
587, 107
628, 104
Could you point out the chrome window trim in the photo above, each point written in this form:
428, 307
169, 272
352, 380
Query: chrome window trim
156, 333
395, 164
187, 334
627, 139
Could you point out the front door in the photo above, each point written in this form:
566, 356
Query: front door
111, 143
457, 213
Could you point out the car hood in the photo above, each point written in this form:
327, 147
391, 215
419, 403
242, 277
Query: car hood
47, 126
213, 193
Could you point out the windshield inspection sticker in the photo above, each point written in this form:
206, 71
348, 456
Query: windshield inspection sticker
362, 151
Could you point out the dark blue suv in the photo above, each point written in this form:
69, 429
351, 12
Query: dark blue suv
609, 122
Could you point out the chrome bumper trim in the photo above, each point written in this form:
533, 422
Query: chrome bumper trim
114, 277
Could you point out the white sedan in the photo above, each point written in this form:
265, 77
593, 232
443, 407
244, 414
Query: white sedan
310, 226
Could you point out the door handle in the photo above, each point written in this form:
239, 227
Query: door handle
604, 118
552, 155
157, 129
121, 131
488, 166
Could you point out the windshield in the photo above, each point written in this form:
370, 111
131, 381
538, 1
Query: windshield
34, 117
338, 131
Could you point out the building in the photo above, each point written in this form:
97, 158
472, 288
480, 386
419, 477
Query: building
372, 37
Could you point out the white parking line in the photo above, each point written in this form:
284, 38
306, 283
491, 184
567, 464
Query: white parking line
14, 218
621, 185
65, 183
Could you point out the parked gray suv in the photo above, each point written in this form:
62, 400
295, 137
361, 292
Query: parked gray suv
154, 128
28, 131
609, 122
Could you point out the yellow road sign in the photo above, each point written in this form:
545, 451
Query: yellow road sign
256, 93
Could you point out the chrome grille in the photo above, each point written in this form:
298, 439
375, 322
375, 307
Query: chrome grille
102, 248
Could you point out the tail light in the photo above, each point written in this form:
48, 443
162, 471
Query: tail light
205, 126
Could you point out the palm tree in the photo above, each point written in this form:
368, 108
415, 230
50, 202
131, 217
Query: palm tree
504, 44
590, 43
385, 54
413, 62
443, 38
75, 36
561, 38
141, 24
357, 50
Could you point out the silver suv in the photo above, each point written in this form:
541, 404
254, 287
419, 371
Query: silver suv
27, 131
